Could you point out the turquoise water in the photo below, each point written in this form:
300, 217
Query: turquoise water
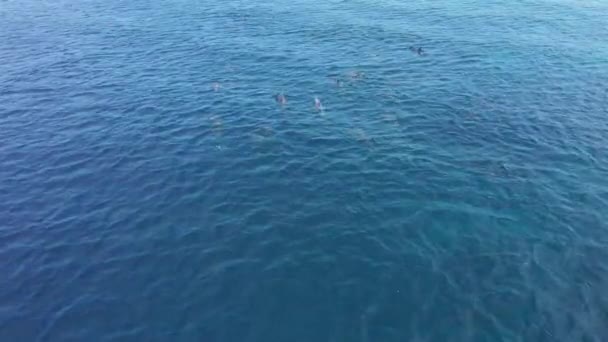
152, 189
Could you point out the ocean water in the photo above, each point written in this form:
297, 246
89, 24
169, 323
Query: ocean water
152, 189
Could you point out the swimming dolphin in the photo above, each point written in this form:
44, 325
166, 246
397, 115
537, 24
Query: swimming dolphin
417, 50
356, 74
318, 105
280, 98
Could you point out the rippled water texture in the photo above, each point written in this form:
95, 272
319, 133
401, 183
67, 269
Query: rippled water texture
152, 188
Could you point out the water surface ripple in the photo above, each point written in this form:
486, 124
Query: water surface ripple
151, 189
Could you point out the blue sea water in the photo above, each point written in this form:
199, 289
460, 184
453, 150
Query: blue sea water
152, 189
